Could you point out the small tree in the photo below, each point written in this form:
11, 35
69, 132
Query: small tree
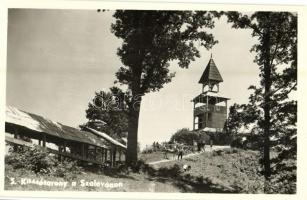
185, 136
107, 113
234, 121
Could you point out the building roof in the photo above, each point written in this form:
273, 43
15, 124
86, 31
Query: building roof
106, 137
38, 124
211, 74
213, 98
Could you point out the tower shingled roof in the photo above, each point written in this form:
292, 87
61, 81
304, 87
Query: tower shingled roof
211, 74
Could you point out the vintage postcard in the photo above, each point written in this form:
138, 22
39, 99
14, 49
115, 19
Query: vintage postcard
124, 100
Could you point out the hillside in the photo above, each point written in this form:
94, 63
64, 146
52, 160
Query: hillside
220, 171
238, 171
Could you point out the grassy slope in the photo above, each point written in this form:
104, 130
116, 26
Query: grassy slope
228, 172
152, 157
234, 170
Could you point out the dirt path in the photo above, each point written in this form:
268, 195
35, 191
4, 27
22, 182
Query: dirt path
207, 149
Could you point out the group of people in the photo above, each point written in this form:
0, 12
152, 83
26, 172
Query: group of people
156, 146
177, 150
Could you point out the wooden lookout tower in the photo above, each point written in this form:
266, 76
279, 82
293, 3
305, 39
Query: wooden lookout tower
210, 109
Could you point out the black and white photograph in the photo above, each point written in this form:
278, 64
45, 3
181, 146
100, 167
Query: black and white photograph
151, 100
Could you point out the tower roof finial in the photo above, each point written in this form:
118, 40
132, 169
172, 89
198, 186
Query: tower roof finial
211, 56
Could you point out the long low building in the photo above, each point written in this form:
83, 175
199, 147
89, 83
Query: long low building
23, 128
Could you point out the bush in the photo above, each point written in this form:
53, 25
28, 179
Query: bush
33, 159
185, 136
41, 162
252, 142
200, 179
221, 138
172, 172
65, 169
237, 143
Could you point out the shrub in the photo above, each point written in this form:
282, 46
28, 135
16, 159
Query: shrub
200, 179
33, 159
175, 171
187, 177
185, 136
138, 166
65, 169
41, 162
172, 172
237, 143
221, 138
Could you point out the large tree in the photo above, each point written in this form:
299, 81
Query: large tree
276, 54
151, 39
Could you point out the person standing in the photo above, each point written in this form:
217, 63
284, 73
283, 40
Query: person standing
165, 149
180, 152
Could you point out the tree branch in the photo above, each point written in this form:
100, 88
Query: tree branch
250, 25
276, 47
288, 92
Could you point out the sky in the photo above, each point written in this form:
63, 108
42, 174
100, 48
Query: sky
57, 59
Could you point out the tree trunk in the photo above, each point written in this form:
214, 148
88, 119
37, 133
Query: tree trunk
267, 106
133, 125
134, 113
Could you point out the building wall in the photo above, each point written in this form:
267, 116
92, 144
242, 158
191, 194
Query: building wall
217, 120
217, 116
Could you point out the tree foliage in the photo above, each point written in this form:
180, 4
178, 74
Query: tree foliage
240, 117
107, 112
185, 136
235, 119
274, 112
151, 39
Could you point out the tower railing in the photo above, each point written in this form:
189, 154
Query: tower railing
209, 108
